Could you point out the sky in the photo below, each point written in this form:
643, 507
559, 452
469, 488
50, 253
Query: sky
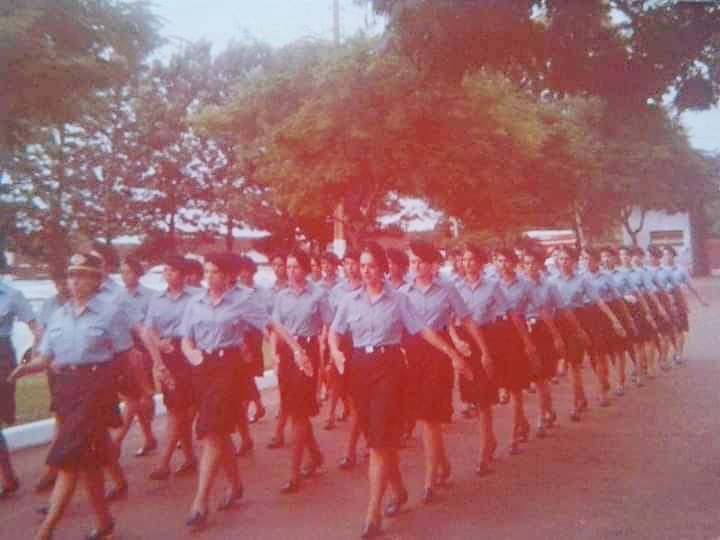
279, 22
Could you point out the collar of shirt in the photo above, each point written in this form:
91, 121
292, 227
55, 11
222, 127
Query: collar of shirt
94, 304
226, 297
362, 293
414, 285
306, 288
183, 292
481, 280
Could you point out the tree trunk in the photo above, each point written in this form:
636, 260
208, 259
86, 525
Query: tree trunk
229, 238
633, 232
579, 229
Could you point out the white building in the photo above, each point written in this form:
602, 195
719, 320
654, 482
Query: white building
661, 228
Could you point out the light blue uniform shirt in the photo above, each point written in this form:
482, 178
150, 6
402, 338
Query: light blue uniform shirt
339, 292
573, 291
303, 314
543, 294
94, 336
436, 304
604, 285
648, 279
680, 275
484, 299
622, 282
13, 305
378, 322
165, 313
138, 301
213, 327
48, 307
517, 295
664, 278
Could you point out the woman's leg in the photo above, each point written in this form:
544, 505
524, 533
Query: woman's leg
7, 474
210, 461
60, 497
488, 442
94, 487
378, 472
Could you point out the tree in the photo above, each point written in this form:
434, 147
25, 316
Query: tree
57, 54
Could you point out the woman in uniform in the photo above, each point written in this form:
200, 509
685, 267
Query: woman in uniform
277, 263
681, 278
303, 309
81, 340
329, 381
573, 289
13, 306
540, 314
437, 303
162, 324
375, 317
142, 405
519, 357
351, 283
212, 333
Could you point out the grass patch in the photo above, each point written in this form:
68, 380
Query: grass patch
32, 398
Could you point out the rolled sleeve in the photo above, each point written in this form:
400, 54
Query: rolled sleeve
339, 323
255, 314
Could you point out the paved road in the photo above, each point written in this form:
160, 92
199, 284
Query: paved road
647, 467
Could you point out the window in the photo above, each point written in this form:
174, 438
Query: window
673, 238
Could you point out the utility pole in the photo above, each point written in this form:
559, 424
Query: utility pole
339, 241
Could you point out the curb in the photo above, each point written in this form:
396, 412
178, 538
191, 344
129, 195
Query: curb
40, 432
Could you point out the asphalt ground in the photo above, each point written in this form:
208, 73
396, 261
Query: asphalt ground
646, 467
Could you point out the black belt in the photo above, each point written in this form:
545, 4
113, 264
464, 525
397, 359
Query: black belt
220, 353
505, 317
376, 349
80, 368
307, 340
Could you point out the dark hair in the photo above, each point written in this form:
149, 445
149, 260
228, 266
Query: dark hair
569, 251
134, 264
479, 253
330, 257
247, 264
378, 255
592, 253
223, 261
193, 266
107, 253
629, 249
670, 250
424, 251
278, 255
536, 255
352, 254
654, 251
397, 256
177, 262
637, 250
302, 258
506, 252
455, 252
607, 249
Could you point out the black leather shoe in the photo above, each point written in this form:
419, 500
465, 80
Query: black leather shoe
196, 520
230, 498
10, 489
371, 530
98, 534
483, 469
147, 449
46, 483
428, 496
393, 509
276, 442
117, 493
290, 487
347, 463
186, 468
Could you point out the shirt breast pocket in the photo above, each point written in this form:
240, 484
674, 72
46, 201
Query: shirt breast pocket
98, 338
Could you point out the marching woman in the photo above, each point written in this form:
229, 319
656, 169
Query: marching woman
162, 324
334, 387
681, 277
657, 354
352, 282
81, 340
665, 283
602, 334
623, 308
140, 363
437, 303
573, 289
277, 263
519, 357
540, 314
303, 309
13, 306
375, 317
247, 268
212, 331
50, 306
482, 296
